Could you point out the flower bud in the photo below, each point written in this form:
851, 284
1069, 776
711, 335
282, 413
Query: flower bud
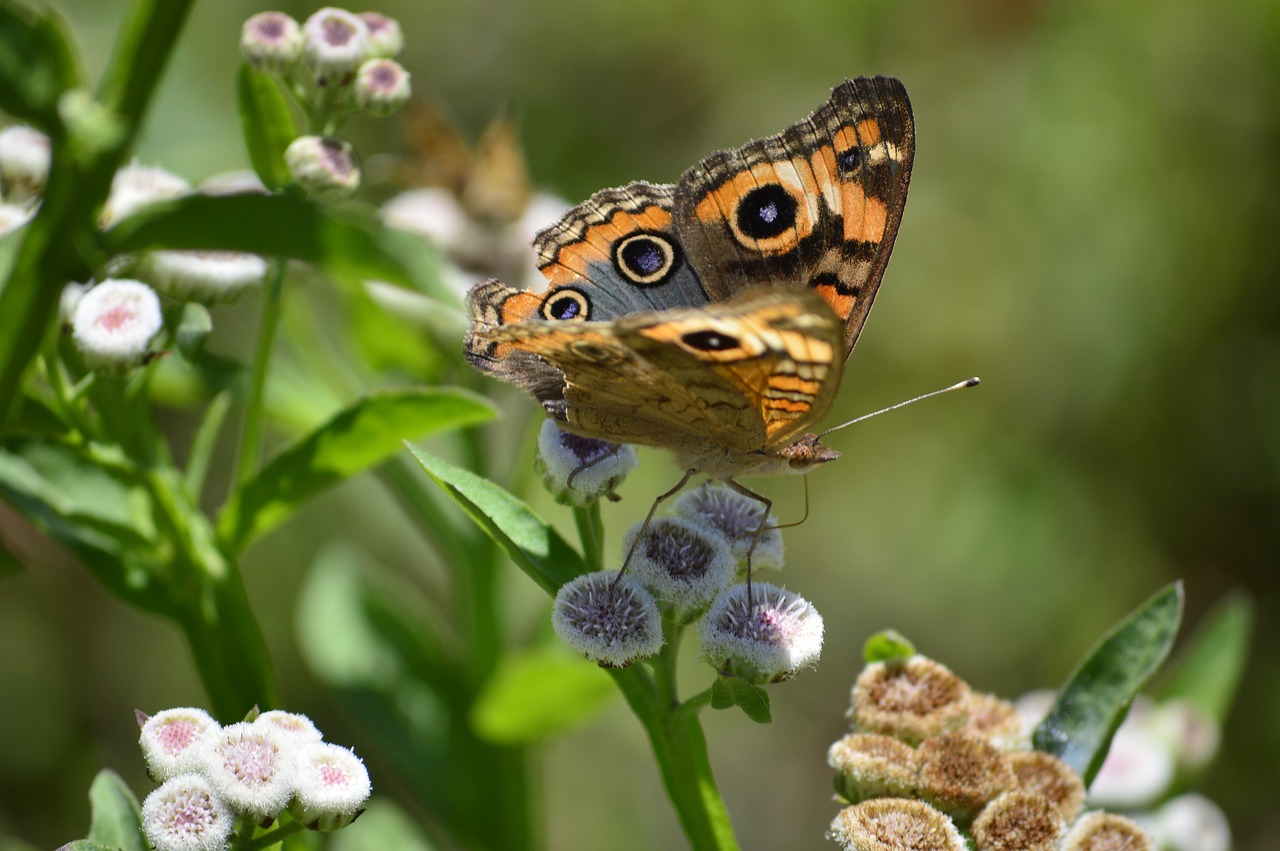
13, 217
185, 814
209, 277
1138, 770
767, 636
382, 87
1021, 820
24, 162
894, 824
251, 768
336, 42
171, 739
1052, 779
136, 186
271, 42
911, 700
114, 323
385, 38
684, 564
868, 765
324, 166
332, 787
738, 518
996, 720
296, 726
1192, 822
960, 773
610, 619
1105, 832
579, 470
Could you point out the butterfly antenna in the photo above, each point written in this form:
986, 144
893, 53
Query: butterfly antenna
968, 382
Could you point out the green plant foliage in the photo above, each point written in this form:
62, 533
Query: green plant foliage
887, 646
267, 122
1207, 670
1096, 697
37, 63
115, 818
539, 694
732, 691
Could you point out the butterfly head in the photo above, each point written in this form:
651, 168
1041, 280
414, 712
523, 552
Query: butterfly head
806, 453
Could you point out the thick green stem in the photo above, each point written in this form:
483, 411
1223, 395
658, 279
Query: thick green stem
591, 533
255, 415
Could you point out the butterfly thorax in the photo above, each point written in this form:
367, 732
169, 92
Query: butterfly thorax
719, 462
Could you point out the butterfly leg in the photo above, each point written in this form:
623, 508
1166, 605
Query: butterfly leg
586, 465
803, 517
760, 529
644, 527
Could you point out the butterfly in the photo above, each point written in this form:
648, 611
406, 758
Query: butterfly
712, 317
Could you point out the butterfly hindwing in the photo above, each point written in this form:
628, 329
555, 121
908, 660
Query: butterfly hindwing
817, 205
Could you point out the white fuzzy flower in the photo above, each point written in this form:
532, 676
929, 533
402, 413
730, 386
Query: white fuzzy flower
209, 277
382, 87
385, 37
252, 768
610, 619
1137, 771
324, 166
738, 518
296, 725
336, 43
171, 740
769, 640
271, 42
185, 814
24, 162
1192, 822
13, 217
1191, 732
71, 295
685, 564
137, 186
332, 787
114, 323
579, 470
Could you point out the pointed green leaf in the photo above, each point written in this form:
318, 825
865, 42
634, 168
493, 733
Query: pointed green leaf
732, 691
348, 241
887, 646
539, 694
1206, 671
527, 539
267, 122
86, 845
115, 821
1096, 697
356, 439
37, 62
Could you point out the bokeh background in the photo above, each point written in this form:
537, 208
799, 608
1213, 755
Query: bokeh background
1093, 228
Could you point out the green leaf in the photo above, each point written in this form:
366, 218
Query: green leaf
888, 646
37, 63
193, 329
1096, 697
85, 845
267, 122
1206, 671
359, 437
10, 242
383, 825
347, 241
732, 691
526, 538
539, 694
115, 821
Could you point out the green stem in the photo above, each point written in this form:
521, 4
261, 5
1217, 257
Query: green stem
203, 443
272, 837
255, 415
591, 533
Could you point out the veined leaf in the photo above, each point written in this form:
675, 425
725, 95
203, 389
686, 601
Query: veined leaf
732, 691
267, 122
1096, 697
362, 436
1207, 671
527, 539
115, 821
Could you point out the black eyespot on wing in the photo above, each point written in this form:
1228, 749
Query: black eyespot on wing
566, 305
766, 211
849, 161
709, 341
646, 259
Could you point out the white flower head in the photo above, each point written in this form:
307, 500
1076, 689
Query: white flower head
234, 182
171, 739
24, 162
579, 470
209, 277
271, 42
1192, 822
252, 768
685, 564
13, 217
332, 787
738, 518
769, 639
324, 166
894, 824
1192, 733
71, 295
1137, 771
113, 324
136, 186
429, 212
610, 619
185, 814
294, 724
1100, 831
385, 37
336, 43
382, 87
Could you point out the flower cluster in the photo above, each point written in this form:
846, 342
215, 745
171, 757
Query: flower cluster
335, 64
24, 168
213, 777
683, 569
929, 762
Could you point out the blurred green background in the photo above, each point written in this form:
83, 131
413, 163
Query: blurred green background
1093, 228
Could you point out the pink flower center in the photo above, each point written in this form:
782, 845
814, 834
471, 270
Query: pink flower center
116, 317
253, 762
176, 736
337, 33
332, 775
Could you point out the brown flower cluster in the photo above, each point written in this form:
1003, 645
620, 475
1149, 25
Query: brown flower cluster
929, 763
